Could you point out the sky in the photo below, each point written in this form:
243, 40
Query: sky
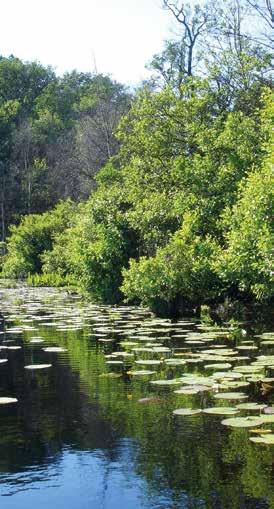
116, 37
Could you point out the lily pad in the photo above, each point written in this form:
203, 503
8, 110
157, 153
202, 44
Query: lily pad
187, 391
243, 422
250, 406
7, 401
142, 372
231, 395
54, 349
222, 410
269, 410
225, 365
173, 381
268, 418
115, 362
187, 411
227, 384
264, 439
148, 362
38, 366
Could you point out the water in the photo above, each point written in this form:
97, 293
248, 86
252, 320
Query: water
79, 437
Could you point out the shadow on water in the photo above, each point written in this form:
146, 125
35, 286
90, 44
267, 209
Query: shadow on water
80, 437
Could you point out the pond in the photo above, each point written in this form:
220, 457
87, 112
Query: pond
91, 421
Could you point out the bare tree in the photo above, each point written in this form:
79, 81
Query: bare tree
265, 10
196, 22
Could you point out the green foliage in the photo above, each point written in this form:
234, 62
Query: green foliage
34, 235
181, 272
247, 261
101, 244
49, 280
179, 213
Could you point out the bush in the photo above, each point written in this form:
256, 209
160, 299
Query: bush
32, 237
180, 274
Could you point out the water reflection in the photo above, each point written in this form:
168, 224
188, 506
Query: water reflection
80, 438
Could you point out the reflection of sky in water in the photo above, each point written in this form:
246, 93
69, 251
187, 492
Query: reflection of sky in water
85, 480
63, 445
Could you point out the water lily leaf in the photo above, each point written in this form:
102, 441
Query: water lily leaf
110, 375
187, 391
250, 406
173, 381
187, 411
243, 422
7, 401
148, 362
55, 349
269, 438
248, 369
260, 430
175, 362
267, 418
38, 366
142, 372
115, 362
218, 366
231, 395
221, 410
233, 385
257, 440
269, 410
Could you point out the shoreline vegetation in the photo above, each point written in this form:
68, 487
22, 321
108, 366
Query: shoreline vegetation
163, 197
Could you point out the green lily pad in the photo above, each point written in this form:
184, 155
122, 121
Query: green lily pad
229, 375
268, 418
187, 391
243, 422
248, 369
250, 406
148, 362
263, 439
227, 384
175, 362
222, 410
231, 395
269, 438
187, 411
218, 366
173, 381
257, 440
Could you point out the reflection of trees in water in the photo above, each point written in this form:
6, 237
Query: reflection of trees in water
190, 462
176, 456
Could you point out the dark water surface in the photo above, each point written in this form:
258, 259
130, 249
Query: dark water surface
79, 437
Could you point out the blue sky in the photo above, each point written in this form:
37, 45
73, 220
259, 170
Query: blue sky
120, 35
